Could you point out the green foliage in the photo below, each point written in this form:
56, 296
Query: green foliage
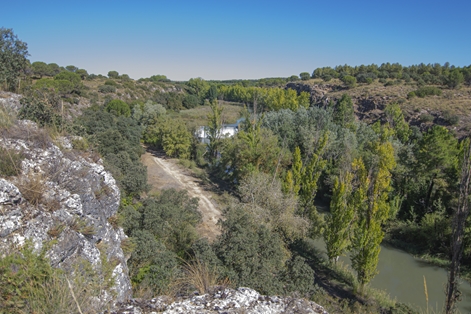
253, 255
111, 83
427, 91
118, 108
118, 140
40, 68
214, 131
396, 121
41, 106
113, 74
73, 78
105, 89
305, 76
199, 87
349, 81
31, 285
159, 78
311, 172
191, 101
371, 202
344, 114
171, 135
13, 62
455, 79
338, 232
450, 118
162, 227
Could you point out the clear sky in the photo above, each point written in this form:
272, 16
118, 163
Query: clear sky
238, 39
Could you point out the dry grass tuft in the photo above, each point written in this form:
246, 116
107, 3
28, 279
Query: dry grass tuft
32, 187
197, 275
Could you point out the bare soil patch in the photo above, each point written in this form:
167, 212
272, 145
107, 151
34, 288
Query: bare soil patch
165, 173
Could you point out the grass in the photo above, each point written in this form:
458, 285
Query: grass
199, 116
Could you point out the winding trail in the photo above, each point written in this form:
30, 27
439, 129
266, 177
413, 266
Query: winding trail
164, 173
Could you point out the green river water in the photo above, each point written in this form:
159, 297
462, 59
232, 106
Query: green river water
402, 277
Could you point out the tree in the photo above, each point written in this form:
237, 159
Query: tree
455, 78
118, 108
372, 209
214, 131
73, 78
113, 74
344, 114
459, 223
39, 68
71, 68
349, 81
13, 62
83, 73
339, 222
213, 93
396, 121
312, 171
199, 86
305, 76
53, 69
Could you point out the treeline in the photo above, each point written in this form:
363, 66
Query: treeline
422, 74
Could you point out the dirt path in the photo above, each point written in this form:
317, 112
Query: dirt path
164, 173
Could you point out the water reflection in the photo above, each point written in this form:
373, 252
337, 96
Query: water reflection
402, 277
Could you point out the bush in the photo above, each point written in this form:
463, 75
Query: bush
426, 117
106, 89
450, 118
428, 91
350, 81
31, 285
111, 83
118, 108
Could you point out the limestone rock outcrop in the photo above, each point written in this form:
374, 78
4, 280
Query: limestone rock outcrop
222, 300
64, 199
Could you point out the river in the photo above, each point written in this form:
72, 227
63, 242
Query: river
402, 277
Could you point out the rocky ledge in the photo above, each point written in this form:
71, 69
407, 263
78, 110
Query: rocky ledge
222, 300
65, 200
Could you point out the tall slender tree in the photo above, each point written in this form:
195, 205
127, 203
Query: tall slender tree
458, 230
214, 131
339, 222
371, 202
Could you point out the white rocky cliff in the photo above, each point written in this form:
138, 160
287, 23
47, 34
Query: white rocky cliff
62, 198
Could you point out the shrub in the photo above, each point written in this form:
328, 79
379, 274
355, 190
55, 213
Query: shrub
118, 108
426, 117
450, 118
428, 91
349, 80
106, 89
111, 83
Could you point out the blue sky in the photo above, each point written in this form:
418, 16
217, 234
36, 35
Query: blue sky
238, 39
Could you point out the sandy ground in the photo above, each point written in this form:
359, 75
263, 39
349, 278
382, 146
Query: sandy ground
165, 173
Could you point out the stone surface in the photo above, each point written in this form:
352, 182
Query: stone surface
64, 196
222, 300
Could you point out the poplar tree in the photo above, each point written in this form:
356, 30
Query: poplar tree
339, 222
312, 171
214, 130
372, 209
